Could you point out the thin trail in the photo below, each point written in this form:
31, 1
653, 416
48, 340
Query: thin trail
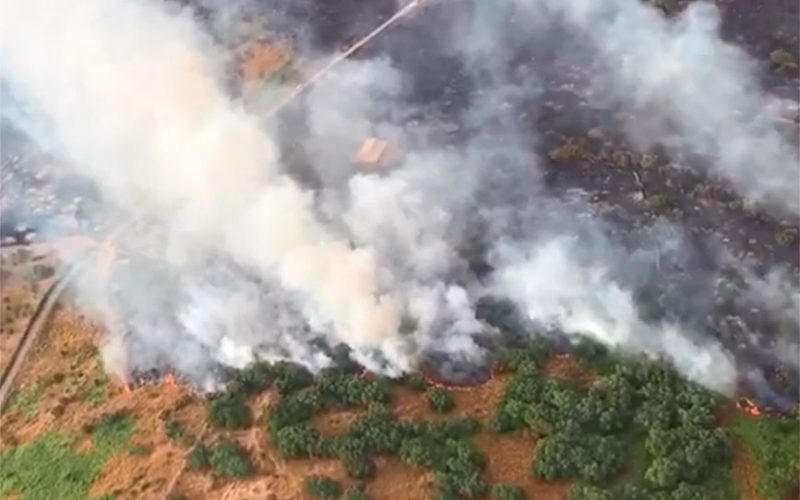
302, 87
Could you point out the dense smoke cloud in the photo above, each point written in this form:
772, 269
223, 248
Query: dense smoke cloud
248, 260
683, 87
132, 95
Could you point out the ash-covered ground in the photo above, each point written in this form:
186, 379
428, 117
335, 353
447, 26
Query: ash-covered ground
601, 171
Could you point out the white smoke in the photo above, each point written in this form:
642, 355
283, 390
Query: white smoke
251, 263
557, 289
131, 93
688, 89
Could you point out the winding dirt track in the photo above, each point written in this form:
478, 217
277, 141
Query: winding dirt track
32, 329
44, 308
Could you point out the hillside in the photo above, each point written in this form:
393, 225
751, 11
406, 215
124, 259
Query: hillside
544, 426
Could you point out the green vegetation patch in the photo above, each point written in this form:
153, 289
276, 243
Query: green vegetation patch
95, 391
225, 459
775, 444
640, 430
49, 467
782, 60
507, 492
323, 487
440, 400
25, 400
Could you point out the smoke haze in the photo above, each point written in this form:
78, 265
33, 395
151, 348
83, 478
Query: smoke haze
245, 257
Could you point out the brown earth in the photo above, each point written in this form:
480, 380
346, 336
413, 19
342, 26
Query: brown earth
65, 363
19, 293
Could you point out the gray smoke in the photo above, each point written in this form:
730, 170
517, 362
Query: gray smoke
240, 258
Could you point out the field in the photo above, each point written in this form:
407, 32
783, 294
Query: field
545, 425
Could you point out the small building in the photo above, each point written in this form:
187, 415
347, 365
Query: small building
375, 153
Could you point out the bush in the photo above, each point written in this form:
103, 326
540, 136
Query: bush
440, 400
294, 409
295, 441
290, 378
416, 383
509, 416
228, 411
380, 433
227, 460
174, 430
354, 494
341, 389
323, 487
417, 452
507, 492
198, 457
589, 492
587, 457
253, 379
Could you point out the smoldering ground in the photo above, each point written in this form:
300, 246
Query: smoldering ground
268, 241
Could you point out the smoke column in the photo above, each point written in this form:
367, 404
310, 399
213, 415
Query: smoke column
686, 88
250, 262
130, 94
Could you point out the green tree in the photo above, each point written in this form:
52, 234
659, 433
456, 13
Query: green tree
323, 487
417, 452
290, 378
228, 411
251, 380
198, 456
354, 494
509, 416
440, 400
507, 492
293, 409
226, 459
299, 440
582, 491
663, 472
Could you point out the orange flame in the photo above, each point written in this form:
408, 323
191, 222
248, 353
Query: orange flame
169, 380
126, 388
749, 407
437, 384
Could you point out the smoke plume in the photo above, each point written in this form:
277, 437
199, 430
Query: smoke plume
241, 255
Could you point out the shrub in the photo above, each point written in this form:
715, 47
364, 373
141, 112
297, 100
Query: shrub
416, 452
228, 411
354, 494
296, 441
292, 410
198, 457
174, 430
588, 457
323, 487
341, 389
416, 383
254, 378
440, 400
227, 460
41, 272
138, 450
509, 416
290, 378
589, 492
507, 492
